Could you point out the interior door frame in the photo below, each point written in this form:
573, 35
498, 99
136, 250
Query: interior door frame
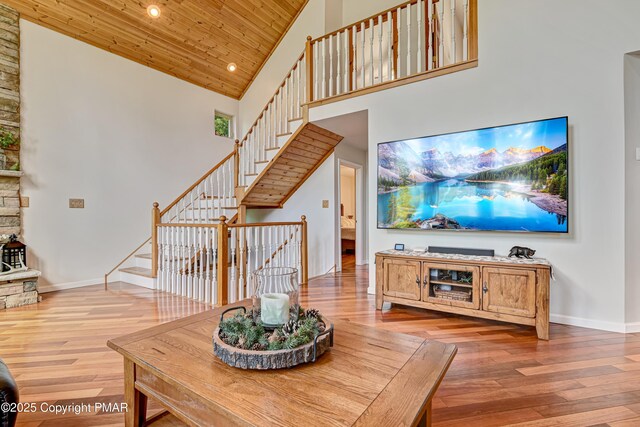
360, 211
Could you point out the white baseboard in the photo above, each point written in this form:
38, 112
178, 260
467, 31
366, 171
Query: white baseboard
588, 323
43, 289
633, 328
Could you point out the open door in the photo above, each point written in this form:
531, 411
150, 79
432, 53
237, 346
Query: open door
348, 237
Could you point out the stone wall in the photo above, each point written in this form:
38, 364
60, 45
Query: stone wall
18, 289
10, 118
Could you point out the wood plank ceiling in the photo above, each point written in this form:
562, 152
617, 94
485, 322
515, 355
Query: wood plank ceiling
193, 40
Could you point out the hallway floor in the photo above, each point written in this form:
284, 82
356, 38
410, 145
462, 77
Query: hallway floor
502, 374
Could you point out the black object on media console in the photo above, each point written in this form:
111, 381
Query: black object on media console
399, 247
461, 251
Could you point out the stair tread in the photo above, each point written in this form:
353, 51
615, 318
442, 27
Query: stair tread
145, 256
273, 148
138, 271
298, 159
225, 208
262, 161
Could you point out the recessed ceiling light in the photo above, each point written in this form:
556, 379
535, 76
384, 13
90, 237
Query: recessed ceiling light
232, 67
153, 11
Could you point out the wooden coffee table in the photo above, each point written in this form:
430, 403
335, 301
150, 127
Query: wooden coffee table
370, 377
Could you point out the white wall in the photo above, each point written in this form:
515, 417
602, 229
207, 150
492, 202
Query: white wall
632, 187
310, 22
321, 221
333, 15
534, 64
356, 10
118, 134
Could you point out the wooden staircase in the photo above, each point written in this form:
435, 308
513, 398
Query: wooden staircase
293, 164
282, 149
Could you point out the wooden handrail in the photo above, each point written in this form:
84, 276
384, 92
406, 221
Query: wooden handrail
123, 261
175, 202
304, 254
256, 224
284, 81
223, 255
155, 219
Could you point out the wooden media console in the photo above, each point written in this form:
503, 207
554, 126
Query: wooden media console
498, 288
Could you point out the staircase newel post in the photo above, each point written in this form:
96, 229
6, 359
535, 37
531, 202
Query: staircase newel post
304, 252
236, 164
472, 29
309, 61
155, 220
223, 267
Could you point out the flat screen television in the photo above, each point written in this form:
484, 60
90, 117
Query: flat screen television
507, 178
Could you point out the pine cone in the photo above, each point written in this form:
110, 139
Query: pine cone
290, 327
312, 312
257, 347
275, 337
241, 342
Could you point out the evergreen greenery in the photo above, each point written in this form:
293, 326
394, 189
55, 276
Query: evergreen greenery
546, 174
242, 331
222, 124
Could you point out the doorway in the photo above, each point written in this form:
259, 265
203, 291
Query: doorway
349, 233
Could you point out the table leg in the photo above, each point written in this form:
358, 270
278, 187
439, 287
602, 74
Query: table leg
136, 414
425, 421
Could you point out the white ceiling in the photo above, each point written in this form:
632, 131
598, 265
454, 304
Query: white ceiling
354, 127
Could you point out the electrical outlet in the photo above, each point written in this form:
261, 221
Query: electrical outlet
24, 201
325, 204
76, 203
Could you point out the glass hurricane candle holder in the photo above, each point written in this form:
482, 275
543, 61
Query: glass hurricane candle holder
276, 296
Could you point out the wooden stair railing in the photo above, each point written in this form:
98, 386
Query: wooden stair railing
222, 257
383, 51
333, 67
285, 106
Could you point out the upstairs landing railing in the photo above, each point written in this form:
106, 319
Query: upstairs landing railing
213, 263
409, 42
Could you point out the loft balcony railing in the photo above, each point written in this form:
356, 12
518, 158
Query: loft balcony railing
415, 40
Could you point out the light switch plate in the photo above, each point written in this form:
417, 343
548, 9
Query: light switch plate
76, 203
638, 154
24, 201
325, 204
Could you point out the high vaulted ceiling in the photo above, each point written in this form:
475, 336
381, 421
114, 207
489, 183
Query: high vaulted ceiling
193, 40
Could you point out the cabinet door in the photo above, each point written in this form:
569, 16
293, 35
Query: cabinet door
509, 291
451, 284
402, 278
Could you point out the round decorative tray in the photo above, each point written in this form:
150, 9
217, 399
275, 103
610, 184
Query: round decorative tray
277, 359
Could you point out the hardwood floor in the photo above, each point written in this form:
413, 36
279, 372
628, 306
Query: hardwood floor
502, 374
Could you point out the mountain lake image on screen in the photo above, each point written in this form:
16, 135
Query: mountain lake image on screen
505, 178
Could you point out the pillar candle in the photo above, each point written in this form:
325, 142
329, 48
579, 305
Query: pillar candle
274, 309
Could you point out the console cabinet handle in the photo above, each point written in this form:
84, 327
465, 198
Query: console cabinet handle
426, 281
418, 280
484, 288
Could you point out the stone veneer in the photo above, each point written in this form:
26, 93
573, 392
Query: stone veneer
18, 289
10, 118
